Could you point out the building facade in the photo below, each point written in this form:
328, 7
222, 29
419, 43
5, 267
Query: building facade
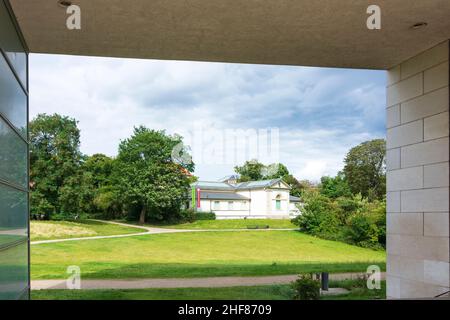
247, 200
14, 246
417, 120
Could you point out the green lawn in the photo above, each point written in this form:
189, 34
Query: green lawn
231, 224
200, 254
273, 292
48, 230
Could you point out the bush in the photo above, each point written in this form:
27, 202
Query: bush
306, 288
354, 219
368, 227
205, 216
190, 215
362, 231
318, 216
187, 215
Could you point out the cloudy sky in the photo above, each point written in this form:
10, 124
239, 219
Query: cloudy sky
313, 115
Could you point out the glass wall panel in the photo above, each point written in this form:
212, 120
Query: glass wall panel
13, 100
13, 156
13, 216
14, 237
11, 45
13, 271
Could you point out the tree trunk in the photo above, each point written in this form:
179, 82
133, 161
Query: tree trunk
142, 215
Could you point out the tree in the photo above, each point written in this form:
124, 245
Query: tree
55, 158
365, 169
297, 187
149, 178
255, 170
100, 167
275, 171
335, 187
100, 193
318, 216
251, 170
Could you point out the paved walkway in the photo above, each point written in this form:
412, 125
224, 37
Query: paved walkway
148, 230
209, 282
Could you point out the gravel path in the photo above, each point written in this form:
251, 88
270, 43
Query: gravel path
209, 282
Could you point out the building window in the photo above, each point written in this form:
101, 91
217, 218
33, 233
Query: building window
278, 204
244, 205
216, 205
230, 205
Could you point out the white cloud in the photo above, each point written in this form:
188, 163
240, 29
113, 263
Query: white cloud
320, 113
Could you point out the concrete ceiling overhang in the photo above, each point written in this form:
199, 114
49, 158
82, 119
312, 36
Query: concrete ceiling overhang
326, 33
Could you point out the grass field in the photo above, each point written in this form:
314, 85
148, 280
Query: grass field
200, 254
231, 224
273, 292
48, 230
279, 292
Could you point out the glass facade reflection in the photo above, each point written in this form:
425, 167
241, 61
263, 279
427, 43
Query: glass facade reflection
14, 211
14, 99
12, 46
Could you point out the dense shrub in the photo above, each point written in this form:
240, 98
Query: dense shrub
354, 219
361, 231
190, 215
317, 216
205, 216
306, 288
187, 215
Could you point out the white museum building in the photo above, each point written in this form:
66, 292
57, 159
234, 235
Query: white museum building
230, 199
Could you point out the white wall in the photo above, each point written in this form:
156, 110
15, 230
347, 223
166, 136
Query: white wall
418, 176
240, 208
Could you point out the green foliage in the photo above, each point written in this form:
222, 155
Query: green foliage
368, 228
306, 288
251, 170
186, 215
316, 218
55, 161
107, 203
275, 171
254, 170
350, 207
148, 178
354, 220
297, 187
365, 169
40, 208
335, 187
100, 167
205, 216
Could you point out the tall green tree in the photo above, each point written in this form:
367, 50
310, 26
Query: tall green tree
275, 171
365, 169
55, 160
101, 193
100, 167
148, 176
250, 170
335, 187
